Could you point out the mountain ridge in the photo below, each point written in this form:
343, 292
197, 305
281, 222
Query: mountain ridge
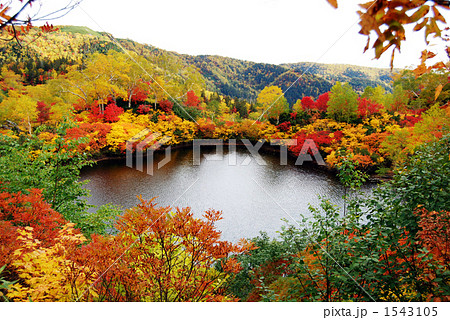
244, 78
228, 76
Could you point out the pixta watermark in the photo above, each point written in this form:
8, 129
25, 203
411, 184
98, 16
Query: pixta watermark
145, 143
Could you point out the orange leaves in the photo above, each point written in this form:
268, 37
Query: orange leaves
101, 254
437, 15
8, 243
386, 19
434, 236
231, 266
35, 242
333, 3
422, 68
164, 255
434, 233
364, 161
95, 132
438, 91
158, 255
31, 210
4, 18
146, 217
48, 28
18, 210
427, 55
206, 128
14, 26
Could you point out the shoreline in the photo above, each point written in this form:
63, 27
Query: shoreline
265, 148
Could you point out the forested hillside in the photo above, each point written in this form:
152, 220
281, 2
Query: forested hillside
358, 77
245, 79
230, 77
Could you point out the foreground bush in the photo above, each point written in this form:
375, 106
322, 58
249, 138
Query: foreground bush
159, 254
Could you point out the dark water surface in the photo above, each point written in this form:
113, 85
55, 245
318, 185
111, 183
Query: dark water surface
253, 197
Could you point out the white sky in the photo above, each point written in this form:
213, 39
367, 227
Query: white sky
270, 31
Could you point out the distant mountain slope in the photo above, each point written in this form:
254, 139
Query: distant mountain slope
245, 79
233, 77
358, 77
228, 76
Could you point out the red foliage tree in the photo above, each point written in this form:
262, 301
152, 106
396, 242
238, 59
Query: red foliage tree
284, 126
321, 139
112, 112
43, 112
270, 272
166, 106
144, 109
18, 210
322, 102
192, 100
410, 121
8, 242
434, 233
95, 114
102, 254
206, 128
95, 132
139, 94
80, 106
308, 104
367, 107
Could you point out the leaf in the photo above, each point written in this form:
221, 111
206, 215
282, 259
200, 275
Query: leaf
380, 49
420, 70
367, 23
439, 65
427, 55
438, 16
438, 91
367, 45
367, 5
419, 26
333, 3
4, 15
433, 28
420, 13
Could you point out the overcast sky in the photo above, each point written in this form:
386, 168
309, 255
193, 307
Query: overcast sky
270, 31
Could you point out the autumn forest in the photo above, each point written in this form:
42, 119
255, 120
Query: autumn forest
71, 97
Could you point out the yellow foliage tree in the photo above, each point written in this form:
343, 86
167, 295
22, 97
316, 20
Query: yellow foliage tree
403, 141
46, 272
20, 109
297, 107
272, 102
123, 130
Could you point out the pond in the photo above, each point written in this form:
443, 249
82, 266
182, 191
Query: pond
253, 196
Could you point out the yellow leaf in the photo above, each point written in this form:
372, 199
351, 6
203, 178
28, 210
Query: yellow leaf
438, 92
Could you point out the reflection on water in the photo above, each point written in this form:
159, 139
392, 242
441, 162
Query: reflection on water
252, 197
